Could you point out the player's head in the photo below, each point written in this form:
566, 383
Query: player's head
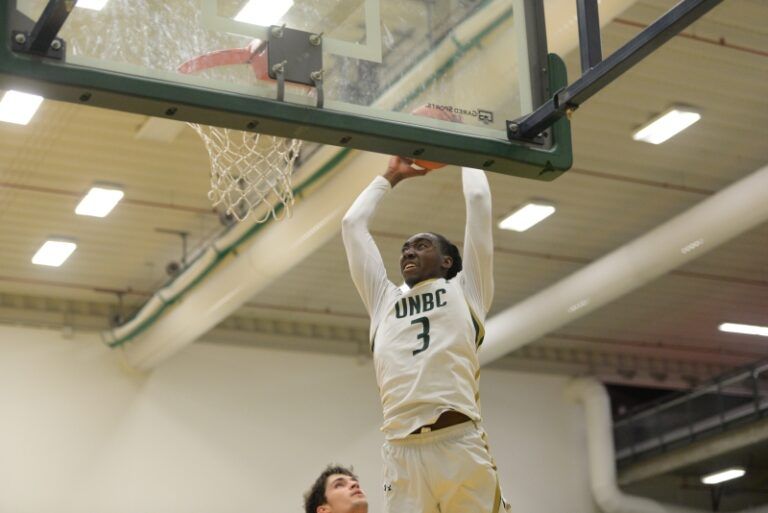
428, 255
336, 490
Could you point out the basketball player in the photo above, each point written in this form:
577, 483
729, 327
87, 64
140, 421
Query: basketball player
336, 490
424, 341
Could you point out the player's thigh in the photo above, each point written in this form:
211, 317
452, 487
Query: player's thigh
405, 487
478, 492
474, 482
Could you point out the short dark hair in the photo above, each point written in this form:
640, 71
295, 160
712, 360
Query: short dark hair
447, 248
315, 496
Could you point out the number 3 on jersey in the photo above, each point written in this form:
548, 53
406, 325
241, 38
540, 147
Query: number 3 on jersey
424, 335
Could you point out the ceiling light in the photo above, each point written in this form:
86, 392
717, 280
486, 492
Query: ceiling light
527, 216
262, 13
99, 201
17, 107
744, 329
723, 475
54, 252
667, 125
94, 5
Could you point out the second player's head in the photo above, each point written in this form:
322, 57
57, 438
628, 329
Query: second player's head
336, 490
427, 256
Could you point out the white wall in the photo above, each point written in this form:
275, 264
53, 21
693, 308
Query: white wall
232, 429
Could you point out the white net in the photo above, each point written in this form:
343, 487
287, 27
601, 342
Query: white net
250, 173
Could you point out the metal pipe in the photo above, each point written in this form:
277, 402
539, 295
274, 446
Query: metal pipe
732, 211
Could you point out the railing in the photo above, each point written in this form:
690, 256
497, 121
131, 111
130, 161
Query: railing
730, 400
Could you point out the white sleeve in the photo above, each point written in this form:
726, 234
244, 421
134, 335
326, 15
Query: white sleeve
477, 258
365, 264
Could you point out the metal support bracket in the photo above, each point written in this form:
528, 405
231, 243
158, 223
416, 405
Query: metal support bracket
277, 71
603, 73
295, 56
589, 34
41, 39
317, 77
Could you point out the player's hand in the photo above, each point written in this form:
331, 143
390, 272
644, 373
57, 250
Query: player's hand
400, 168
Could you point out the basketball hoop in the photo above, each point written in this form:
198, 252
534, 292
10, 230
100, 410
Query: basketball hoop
250, 172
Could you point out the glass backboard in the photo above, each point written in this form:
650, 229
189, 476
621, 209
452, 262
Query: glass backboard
438, 79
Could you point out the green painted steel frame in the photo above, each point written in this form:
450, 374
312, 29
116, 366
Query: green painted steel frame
57, 80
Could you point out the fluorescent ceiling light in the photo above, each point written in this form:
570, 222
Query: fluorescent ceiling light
94, 5
17, 107
54, 252
258, 12
527, 216
745, 329
99, 201
667, 125
723, 475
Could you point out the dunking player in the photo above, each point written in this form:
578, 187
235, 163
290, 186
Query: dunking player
424, 342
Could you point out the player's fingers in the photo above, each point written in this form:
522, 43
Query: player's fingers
402, 164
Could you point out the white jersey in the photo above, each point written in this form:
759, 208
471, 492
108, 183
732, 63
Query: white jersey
425, 339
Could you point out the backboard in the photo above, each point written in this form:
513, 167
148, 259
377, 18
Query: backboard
482, 62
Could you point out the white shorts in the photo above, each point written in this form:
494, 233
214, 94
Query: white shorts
445, 471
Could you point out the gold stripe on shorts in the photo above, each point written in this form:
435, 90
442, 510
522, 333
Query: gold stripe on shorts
497, 497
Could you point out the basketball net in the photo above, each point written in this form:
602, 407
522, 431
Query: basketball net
250, 172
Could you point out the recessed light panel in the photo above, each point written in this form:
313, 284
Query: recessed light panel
19, 108
54, 253
664, 127
99, 201
723, 475
744, 329
526, 217
94, 5
262, 13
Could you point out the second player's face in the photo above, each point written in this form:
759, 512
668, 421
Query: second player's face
421, 259
344, 495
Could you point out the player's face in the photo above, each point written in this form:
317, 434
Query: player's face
421, 259
344, 495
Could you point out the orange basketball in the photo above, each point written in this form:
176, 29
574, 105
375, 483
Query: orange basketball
434, 112
428, 164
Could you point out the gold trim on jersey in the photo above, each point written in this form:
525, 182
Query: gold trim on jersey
497, 497
479, 327
373, 339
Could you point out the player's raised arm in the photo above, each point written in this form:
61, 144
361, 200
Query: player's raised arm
365, 264
478, 238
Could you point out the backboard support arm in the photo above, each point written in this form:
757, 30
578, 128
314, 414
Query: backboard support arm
589, 34
42, 39
600, 74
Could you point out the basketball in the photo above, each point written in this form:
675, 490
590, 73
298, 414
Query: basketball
428, 164
434, 112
